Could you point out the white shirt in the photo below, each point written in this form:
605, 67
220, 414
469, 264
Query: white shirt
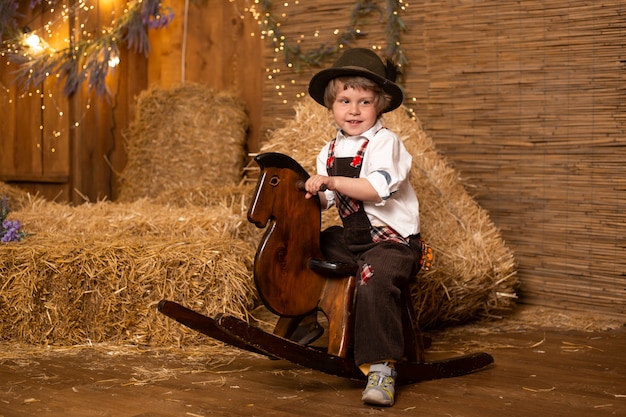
387, 166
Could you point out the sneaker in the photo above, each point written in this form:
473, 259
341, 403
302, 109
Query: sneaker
380, 385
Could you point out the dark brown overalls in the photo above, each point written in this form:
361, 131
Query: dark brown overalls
386, 262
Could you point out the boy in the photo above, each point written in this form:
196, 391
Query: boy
365, 172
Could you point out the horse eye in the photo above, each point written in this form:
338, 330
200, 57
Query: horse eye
274, 181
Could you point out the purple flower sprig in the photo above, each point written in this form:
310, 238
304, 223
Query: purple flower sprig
10, 230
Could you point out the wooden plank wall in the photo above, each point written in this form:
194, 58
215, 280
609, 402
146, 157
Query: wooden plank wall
67, 148
35, 145
98, 141
70, 149
527, 100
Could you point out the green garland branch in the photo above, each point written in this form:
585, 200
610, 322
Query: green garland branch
395, 28
294, 56
84, 59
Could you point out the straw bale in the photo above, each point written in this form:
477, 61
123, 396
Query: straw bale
217, 211
16, 197
95, 272
184, 137
235, 201
474, 273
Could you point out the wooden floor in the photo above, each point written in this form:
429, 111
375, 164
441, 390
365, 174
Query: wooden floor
538, 371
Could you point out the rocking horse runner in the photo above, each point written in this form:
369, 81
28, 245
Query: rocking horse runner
294, 222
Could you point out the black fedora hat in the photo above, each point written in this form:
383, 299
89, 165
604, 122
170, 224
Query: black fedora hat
360, 62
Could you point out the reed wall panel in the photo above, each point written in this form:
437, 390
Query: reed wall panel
526, 99
531, 110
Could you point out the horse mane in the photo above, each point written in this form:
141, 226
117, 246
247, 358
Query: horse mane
279, 160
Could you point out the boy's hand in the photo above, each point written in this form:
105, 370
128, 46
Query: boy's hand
317, 183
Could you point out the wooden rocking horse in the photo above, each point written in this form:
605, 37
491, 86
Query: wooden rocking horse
294, 280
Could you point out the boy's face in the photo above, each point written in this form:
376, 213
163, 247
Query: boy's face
354, 110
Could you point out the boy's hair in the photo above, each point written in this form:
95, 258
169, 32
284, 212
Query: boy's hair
381, 98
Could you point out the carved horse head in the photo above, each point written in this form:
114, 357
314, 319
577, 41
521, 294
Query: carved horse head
286, 285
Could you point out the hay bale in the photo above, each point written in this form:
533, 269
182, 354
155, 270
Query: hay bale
217, 212
95, 272
233, 200
474, 272
184, 137
16, 197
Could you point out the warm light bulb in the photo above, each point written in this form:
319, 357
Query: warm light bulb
114, 61
32, 40
34, 43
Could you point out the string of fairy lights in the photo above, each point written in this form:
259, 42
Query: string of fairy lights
264, 12
66, 49
81, 56
26, 44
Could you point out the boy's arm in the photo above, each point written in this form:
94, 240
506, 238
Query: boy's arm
357, 188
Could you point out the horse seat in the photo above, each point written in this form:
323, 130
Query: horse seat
332, 269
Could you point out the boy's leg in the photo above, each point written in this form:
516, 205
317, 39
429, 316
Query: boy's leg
384, 270
379, 339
